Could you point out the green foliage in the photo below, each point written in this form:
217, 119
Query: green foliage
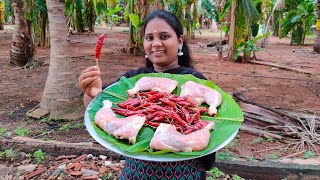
108, 176
78, 125
2, 131
211, 10
111, 15
270, 140
8, 10
272, 156
224, 155
39, 156
248, 46
216, 173
45, 120
299, 20
237, 177
65, 128
308, 154
249, 11
251, 159
257, 140
9, 154
22, 131
135, 20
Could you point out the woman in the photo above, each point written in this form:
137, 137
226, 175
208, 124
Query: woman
166, 51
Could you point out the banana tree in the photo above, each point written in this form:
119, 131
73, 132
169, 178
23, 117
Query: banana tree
37, 18
82, 14
298, 21
316, 46
61, 96
22, 48
2, 3
217, 13
90, 14
111, 14
138, 11
244, 15
79, 19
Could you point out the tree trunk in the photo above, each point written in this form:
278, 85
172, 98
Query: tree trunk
1, 20
130, 45
61, 97
144, 11
187, 18
232, 42
80, 25
316, 46
22, 48
90, 14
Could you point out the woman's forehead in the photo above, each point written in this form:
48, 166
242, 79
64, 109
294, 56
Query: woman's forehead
158, 25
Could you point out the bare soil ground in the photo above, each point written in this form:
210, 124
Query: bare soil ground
21, 89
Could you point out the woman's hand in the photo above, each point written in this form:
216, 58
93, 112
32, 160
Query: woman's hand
90, 81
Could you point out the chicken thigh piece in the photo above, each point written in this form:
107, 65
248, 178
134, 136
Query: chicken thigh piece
164, 85
120, 128
200, 94
167, 137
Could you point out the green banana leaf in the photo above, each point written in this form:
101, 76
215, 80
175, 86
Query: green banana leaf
227, 121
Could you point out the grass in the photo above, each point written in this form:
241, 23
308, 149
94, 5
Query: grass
22, 131
9, 154
272, 156
256, 141
3, 131
224, 155
215, 173
39, 156
308, 154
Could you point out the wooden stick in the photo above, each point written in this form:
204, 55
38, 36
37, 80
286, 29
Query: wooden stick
259, 118
259, 132
281, 67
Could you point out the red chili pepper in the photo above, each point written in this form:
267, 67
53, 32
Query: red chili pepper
99, 46
125, 112
197, 126
154, 97
159, 118
177, 118
186, 114
152, 124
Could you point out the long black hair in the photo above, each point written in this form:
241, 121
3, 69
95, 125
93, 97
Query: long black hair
184, 60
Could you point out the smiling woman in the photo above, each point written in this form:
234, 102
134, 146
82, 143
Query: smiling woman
166, 52
161, 44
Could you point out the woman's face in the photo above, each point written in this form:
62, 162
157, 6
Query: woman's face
161, 44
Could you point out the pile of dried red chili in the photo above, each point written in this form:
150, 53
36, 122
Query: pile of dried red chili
158, 108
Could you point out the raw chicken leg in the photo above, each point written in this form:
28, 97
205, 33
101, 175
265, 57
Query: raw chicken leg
200, 94
164, 85
120, 128
167, 137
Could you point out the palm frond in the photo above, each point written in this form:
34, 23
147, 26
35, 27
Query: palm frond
249, 10
279, 5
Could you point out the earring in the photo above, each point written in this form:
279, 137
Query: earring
146, 56
180, 53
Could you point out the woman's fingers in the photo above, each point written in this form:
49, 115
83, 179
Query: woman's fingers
86, 74
90, 81
84, 83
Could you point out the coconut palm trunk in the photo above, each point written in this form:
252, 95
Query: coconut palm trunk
316, 46
22, 47
1, 18
232, 31
61, 97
